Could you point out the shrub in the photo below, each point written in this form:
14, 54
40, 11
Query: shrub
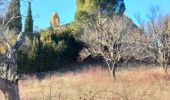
50, 49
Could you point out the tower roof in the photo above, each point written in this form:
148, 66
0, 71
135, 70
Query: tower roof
55, 14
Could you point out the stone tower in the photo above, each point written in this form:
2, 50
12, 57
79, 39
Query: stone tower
54, 20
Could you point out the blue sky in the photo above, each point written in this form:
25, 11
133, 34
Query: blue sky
42, 9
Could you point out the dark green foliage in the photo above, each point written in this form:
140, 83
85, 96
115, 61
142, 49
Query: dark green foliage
28, 26
82, 15
26, 58
50, 50
102, 6
111, 6
73, 46
14, 14
121, 7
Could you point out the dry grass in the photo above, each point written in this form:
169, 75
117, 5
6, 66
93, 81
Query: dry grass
142, 83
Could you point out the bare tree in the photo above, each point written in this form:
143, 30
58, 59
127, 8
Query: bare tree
157, 29
112, 37
8, 77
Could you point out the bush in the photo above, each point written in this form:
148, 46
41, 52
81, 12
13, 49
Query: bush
50, 50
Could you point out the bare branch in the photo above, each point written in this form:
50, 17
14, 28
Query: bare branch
114, 38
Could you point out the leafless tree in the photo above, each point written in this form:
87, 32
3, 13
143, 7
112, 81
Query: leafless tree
111, 37
157, 30
8, 77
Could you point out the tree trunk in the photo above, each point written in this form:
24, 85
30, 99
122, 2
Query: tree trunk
165, 68
10, 89
113, 71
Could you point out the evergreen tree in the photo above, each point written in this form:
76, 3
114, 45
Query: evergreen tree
103, 6
14, 12
111, 6
28, 26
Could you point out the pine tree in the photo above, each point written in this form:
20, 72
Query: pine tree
28, 26
14, 12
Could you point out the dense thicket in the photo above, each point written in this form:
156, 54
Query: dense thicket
49, 50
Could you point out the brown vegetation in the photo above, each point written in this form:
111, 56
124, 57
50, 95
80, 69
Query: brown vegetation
95, 83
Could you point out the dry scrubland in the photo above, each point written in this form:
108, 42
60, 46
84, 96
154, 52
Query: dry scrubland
141, 83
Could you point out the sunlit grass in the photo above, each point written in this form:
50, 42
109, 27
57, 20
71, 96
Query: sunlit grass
95, 83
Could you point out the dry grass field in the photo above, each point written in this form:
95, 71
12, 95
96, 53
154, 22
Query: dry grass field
141, 83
